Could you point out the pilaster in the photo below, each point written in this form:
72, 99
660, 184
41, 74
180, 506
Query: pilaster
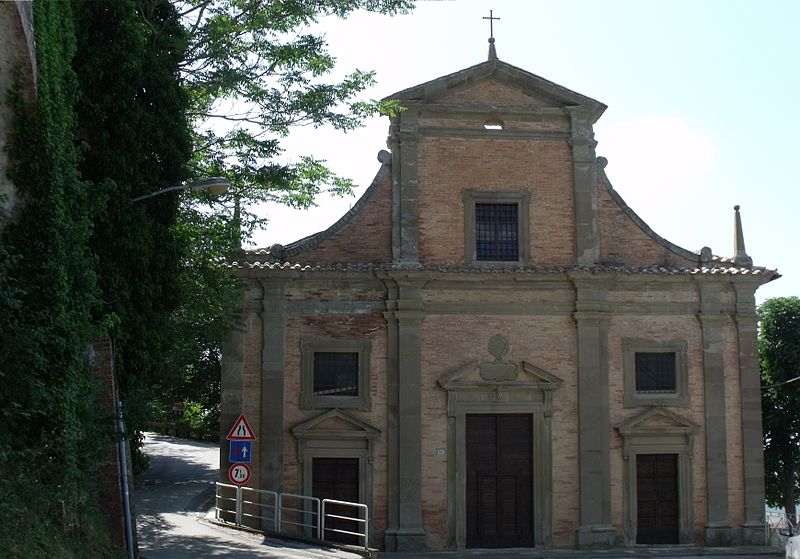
750, 386
405, 532
718, 527
270, 435
232, 371
584, 165
594, 420
404, 143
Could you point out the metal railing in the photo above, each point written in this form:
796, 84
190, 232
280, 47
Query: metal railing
779, 528
348, 521
294, 515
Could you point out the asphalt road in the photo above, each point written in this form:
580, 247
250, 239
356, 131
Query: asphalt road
173, 497
175, 494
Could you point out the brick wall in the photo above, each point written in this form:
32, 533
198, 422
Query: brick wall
449, 166
622, 241
17, 53
109, 469
493, 93
367, 236
548, 342
348, 327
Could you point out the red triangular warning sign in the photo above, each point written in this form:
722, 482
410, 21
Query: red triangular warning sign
241, 431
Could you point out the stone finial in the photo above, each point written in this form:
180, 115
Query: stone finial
276, 252
492, 50
740, 258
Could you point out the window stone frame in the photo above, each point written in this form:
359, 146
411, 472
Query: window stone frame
632, 398
522, 199
308, 347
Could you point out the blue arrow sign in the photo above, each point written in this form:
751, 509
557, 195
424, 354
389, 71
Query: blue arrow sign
241, 451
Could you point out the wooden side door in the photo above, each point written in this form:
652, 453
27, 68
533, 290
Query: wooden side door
499, 481
657, 516
337, 478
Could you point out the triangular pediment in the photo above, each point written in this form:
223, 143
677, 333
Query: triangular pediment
657, 420
469, 375
539, 90
335, 423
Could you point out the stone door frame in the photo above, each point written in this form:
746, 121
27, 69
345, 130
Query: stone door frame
658, 431
350, 438
529, 393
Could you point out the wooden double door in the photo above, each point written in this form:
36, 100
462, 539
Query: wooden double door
499, 499
657, 510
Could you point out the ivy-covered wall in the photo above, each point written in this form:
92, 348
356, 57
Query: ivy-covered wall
49, 429
79, 260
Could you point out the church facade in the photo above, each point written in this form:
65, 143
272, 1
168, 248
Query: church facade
491, 349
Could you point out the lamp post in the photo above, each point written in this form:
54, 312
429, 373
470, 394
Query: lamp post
215, 186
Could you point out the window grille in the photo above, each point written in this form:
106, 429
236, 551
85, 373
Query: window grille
655, 372
496, 232
335, 373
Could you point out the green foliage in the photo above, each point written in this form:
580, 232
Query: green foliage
117, 95
208, 310
132, 118
779, 350
253, 71
50, 428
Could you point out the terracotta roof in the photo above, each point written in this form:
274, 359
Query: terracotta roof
716, 269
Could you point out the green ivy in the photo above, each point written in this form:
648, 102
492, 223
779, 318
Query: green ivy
79, 260
50, 430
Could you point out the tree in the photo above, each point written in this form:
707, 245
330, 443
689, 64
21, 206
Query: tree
253, 71
779, 349
132, 117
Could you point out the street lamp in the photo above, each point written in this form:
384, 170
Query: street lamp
215, 186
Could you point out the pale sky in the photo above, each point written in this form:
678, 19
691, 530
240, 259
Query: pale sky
701, 102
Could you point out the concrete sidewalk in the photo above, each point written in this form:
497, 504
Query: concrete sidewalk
684, 552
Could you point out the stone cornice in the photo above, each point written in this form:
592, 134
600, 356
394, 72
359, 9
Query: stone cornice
505, 73
519, 277
453, 132
520, 114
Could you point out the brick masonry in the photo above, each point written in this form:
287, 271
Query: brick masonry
109, 470
412, 227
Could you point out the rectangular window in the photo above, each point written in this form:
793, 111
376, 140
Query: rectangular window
496, 232
335, 373
496, 227
655, 372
